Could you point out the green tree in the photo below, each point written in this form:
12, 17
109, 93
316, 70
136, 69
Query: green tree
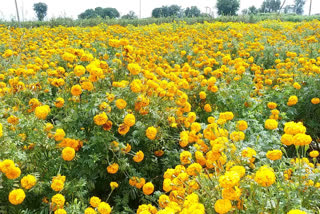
228, 7
193, 11
270, 6
298, 6
167, 11
130, 15
252, 10
41, 10
100, 12
88, 14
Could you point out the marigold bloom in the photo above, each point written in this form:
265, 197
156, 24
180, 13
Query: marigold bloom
229, 179
59, 102
104, 208
13, 172
113, 168
58, 200
314, 154
68, 154
100, 119
202, 95
265, 176
274, 154
129, 120
60, 211
42, 112
292, 100
148, 188
139, 156
89, 210
76, 90
301, 139
121, 103
242, 125
295, 211
151, 133
28, 181
114, 185
272, 105
222, 206
95, 201
185, 157
79, 70
271, 124
59, 135
315, 100
123, 129
16, 196
134, 68
13, 120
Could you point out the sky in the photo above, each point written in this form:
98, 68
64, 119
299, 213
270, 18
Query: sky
72, 8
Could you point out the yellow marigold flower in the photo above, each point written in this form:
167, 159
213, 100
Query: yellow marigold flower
134, 68
1, 131
121, 103
58, 200
123, 129
42, 112
59, 102
239, 169
163, 201
272, 105
87, 85
222, 206
13, 172
13, 120
104, 208
194, 169
315, 100
148, 188
113, 168
68, 154
296, 85
292, 100
151, 133
28, 181
265, 176
207, 108
202, 95
229, 179
100, 119
301, 139
6, 165
79, 70
129, 120
314, 154
76, 90
185, 157
295, 211
249, 153
57, 184
231, 193
59, 135
237, 136
107, 126
138, 156
95, 201
114, 185
274, 155
16, 196
90, 210
60, 211
293, 128
271, 124
242, 125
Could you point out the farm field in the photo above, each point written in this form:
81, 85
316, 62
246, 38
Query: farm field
170, 118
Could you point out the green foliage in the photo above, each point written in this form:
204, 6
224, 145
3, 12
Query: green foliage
100, 12
41, 10
270, 6
193, 11
228, 7
167, 11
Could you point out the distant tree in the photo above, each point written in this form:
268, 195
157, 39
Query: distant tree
252, 10
130, 15
228, 7
88, 14
270, 6
244, 11
165, 11
111, 13
41, 10
157, 12
193, 11
298, 6
100, 12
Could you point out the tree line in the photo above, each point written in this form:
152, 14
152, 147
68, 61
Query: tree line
224, 7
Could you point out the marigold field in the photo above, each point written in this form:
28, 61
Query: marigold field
171, 118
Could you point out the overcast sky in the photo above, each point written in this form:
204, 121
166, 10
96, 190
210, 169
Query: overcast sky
72, 8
